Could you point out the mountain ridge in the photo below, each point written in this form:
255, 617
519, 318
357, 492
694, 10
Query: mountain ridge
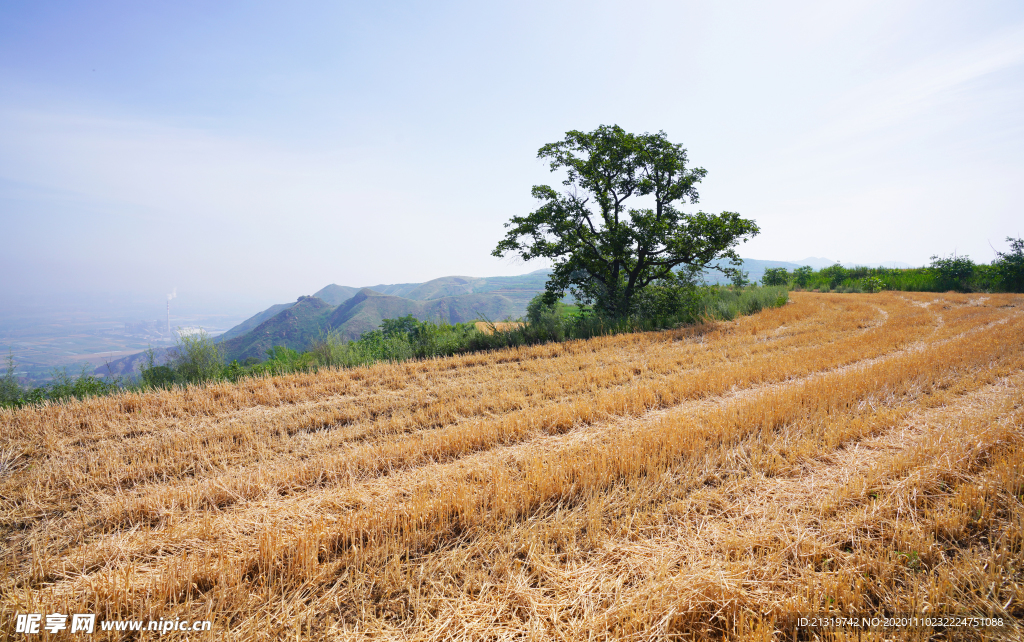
295, 327
519, 289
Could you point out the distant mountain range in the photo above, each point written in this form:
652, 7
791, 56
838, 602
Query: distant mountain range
753, 267
350, 311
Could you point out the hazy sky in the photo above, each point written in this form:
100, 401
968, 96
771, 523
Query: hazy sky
252, 152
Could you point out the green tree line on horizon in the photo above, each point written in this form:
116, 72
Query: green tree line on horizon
944, 274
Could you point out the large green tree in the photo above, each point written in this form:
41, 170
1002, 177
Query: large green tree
952, 272
604, 251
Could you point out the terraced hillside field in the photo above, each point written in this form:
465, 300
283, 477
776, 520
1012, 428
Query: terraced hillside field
854, 454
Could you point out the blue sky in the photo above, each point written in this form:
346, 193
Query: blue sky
252, 152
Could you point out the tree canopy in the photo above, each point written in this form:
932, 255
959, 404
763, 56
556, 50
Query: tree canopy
605, 252
775, 276
952, 272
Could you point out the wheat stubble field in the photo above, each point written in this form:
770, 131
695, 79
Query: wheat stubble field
845, 453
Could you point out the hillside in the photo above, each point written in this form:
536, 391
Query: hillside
297, 326
335, 295
753, 267
512, 287
518, 289
853, 455
366, 310
249, 324
294, 327
131, 365
446, 286
454, 299
449, 299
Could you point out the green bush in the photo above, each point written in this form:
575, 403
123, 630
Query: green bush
152, 375
871, 284
722, 309
330, 350
546, 320
10, 390
197, 358
669, 301
775, 277
739, 278
802, 275
948, 273
62, 386
280, 360
1009, 266
834, 275
952, 273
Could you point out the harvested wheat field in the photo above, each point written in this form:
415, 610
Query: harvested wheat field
853, 454
490, 328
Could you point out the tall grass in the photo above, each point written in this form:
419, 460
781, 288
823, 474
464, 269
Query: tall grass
727, 304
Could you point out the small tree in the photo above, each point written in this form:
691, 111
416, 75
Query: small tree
775, 276
197, 358
156, 376
672, 299
603, 251
539, 311
739, 278
802, 275
1010, 266
330, 349
871, 284
407, 326
952, 272
10, 391
66, 386
835, 274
